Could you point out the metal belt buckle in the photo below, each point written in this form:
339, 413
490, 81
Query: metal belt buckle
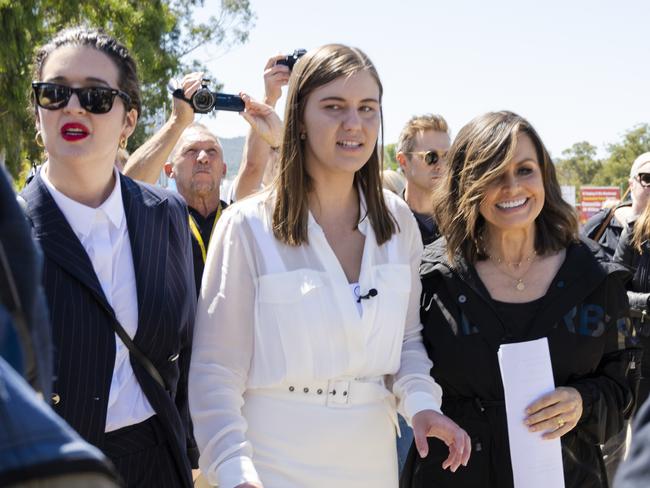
338, 393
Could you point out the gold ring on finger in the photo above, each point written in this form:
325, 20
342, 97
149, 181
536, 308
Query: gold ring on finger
560, 423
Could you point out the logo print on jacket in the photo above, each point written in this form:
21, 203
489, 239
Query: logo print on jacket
587, 320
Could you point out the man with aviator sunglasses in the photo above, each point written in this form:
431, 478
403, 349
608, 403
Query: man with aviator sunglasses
421, 149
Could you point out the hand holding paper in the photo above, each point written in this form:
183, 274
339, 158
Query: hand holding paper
527, 375
557, 412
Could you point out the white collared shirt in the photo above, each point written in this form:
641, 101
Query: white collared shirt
271, 314
104, 235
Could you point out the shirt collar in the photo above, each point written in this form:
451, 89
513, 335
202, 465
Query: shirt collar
80, 216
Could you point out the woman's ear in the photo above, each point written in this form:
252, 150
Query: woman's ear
130, 121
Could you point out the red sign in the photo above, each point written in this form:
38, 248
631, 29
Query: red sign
593, 197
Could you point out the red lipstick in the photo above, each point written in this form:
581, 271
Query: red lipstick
74, 131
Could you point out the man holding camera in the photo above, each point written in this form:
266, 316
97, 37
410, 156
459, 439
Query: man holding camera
193, 157
421, 150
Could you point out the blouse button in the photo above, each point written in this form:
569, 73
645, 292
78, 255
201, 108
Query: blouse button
319, 391
462, 298
306, 390
291, 388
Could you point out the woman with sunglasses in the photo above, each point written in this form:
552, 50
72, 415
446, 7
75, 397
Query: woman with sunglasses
511, 269
634, 251
118, 268
607, 225
308, 312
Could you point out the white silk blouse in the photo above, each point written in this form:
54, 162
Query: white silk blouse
271, 314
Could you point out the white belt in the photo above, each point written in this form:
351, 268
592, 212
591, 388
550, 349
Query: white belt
337, 393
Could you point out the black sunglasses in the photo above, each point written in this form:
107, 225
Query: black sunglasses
93, 99
644, 179
430, 157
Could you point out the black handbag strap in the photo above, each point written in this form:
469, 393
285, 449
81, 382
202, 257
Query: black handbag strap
137, 354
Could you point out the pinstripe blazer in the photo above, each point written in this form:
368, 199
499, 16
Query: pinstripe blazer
83, 339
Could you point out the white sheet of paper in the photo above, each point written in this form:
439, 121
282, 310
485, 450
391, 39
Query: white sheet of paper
527, 375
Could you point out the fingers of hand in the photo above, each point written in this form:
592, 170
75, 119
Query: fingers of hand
277, 70
420, 437
274, 59
191, 83
567, 412
468, 449
559, 431
545, 414
547, 400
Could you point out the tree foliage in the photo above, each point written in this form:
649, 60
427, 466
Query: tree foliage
162, 35
579, 165
616, 168
390, 161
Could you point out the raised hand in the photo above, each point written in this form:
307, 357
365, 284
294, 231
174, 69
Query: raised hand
275, 77
263, 120
181, 110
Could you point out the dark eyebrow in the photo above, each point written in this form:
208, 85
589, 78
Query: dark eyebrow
340, 99
90, 79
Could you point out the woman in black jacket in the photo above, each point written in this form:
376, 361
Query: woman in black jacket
634, 251
511, 269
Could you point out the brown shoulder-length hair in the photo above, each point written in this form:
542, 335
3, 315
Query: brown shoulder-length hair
292, 184
479, 156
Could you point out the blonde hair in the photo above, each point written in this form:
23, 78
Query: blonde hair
641, 229
479, 156
292, 184
417, 125
393, 181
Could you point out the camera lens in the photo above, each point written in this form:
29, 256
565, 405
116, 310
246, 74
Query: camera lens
203, 100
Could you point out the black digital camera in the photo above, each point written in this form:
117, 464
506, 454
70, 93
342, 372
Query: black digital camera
291, 59
204, 101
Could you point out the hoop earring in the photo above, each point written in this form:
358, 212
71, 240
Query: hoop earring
39, 139
123, 142
303, 136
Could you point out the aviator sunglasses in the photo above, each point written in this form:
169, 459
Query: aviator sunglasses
430, 157
644, 179
93, 99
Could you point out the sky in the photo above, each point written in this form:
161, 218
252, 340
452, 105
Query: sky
576, 69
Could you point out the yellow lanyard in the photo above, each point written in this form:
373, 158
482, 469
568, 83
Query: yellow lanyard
197, 234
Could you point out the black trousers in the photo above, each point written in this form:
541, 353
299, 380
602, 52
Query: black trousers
142, 456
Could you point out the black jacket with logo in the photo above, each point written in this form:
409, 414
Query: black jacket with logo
583, 317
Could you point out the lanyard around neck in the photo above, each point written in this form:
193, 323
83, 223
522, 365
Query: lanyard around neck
197, 233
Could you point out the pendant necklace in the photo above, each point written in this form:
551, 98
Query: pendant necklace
519, 283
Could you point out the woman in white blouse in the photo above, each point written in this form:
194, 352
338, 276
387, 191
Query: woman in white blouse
309, 308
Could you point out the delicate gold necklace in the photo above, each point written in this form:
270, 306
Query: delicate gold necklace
519, 283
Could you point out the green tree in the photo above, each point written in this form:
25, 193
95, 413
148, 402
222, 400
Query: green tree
390, 161
616, 168
162, 35
578, 164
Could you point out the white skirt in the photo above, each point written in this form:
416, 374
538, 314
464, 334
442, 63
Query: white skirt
300, 444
